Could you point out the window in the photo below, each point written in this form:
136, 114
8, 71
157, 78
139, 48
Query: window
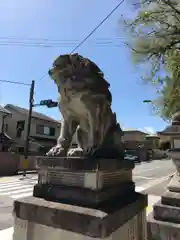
52, 131
21, 150
20, 128
45, 130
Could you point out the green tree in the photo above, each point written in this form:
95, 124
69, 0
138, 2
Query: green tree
155, 45
168, 100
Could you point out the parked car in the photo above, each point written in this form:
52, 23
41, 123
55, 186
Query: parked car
131, 157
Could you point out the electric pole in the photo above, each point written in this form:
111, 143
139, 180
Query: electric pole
26, 147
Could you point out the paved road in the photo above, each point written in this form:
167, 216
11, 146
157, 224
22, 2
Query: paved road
152, 176
149, 174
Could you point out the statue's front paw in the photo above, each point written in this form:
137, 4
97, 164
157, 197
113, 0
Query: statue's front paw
90, 151
75, 152
57, 151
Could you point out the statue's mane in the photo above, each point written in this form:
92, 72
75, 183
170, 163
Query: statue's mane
86, 70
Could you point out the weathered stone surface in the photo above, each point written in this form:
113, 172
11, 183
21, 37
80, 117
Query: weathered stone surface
174, 184
161, 230
82, 196
134, 229
80, 163
96, 174
86, 179
164, 222
85, 105
98, 222
166, 213
171, 198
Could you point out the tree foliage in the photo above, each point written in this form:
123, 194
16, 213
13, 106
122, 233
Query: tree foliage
168, 101
155, 44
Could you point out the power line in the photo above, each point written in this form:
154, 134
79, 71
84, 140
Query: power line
93, 31
101, 42
27, 39
109, 44
97, 27
19, 83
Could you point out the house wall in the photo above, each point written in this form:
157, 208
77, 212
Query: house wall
134, 136
1, 120
12, 123
16, 116
153, 142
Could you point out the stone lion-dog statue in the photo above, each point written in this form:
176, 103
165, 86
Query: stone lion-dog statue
85, 105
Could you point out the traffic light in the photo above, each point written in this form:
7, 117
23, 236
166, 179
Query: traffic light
49, 103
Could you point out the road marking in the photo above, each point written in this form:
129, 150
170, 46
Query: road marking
6, 234
156, 181
18, 196
17, 189
5, 179
139, 189
147, 169
29, 189
7, 185
142, 177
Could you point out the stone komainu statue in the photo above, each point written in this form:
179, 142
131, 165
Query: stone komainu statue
85, 105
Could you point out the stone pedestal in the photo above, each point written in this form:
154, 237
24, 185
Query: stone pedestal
164, 221
82, 199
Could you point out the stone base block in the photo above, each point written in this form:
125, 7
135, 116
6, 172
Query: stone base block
161, 230
171, 198
166, 213
174, 185
82, 196
87, 173
164, 222
120, 218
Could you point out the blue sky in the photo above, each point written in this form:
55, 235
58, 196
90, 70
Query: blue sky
71, 20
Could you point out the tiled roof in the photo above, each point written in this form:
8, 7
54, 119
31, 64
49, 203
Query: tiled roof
133, 130
25, 111
3, 110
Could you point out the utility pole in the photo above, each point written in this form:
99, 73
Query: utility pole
26, 147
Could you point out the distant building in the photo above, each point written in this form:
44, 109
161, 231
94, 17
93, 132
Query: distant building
5, 140
44, 130
134, 135
139, 143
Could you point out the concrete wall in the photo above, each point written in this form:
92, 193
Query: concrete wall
8, 163
11, 163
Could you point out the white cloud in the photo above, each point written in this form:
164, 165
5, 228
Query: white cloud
149, 130
2, 104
